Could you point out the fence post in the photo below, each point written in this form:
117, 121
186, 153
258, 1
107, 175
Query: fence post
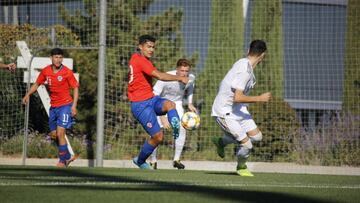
101, 85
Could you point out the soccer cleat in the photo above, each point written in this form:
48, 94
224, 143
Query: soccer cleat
144, 165
243, 171
175, 124
153, 165
220, 149
177, 164
66, 163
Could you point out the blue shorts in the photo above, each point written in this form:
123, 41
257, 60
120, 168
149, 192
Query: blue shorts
147, 111
60, 116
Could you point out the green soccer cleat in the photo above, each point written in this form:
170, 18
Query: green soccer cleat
243, 171
220, 148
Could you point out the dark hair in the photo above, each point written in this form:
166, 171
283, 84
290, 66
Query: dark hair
257, 47
146, 38
56, 51
183, 62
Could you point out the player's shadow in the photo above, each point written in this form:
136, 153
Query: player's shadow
222, 173
127, 184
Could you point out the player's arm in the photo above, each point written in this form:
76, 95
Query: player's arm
190, 93
76, 98
168, 77
33, 89
10, 67
240, 97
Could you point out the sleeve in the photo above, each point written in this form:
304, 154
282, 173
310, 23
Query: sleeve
240, 81
158, 87
41, 78
72, 80
147, 67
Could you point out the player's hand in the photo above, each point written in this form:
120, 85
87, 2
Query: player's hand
165, 123
25, 99
192, 108
184, 80
73, 111
265, 97
11, 67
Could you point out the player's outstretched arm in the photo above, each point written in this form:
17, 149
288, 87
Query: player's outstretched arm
10, 67
240, 97
168, 77
33, 89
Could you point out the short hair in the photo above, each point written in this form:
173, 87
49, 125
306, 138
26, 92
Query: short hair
257, 47
183, 62
146, 38
56, 51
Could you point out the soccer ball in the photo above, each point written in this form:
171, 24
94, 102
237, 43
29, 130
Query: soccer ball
190, 120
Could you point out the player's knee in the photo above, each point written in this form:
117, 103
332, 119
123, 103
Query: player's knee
169, 105
244, 150
257, 137
158, 138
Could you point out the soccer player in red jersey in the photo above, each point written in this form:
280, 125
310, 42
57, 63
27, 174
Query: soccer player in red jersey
145, 106
60, 80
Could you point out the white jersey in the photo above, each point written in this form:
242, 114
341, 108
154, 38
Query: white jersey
174, 90
239, 77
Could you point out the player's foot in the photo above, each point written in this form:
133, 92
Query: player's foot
177, 164
175, 124
243, 171
66, 163
153, 165
144, 165
220, 148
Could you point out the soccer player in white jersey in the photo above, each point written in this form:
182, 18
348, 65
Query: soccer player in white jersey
176, 91
230, 107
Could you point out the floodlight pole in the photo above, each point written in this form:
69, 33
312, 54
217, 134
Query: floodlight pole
101, 85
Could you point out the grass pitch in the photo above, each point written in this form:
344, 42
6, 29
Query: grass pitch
49, 184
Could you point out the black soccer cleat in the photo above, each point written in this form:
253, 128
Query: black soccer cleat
153, 165
177, 164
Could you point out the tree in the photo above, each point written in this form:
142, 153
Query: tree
352, 71
126, 21
225, 47
267, 25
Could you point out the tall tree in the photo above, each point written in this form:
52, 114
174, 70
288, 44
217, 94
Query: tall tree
267, 25
225, 47
352, 60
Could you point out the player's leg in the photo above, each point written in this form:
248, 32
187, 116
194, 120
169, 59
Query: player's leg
164, 106
145, 114
153, 156
227, 138
242, 155
63, 122
253, 134
180, 141
153, 159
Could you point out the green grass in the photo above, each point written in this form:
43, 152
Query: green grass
49, 184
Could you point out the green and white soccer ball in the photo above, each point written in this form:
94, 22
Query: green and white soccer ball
190, 120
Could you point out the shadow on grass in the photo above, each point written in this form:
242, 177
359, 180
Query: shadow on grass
139, 184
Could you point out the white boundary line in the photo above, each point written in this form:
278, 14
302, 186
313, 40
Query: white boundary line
262, 167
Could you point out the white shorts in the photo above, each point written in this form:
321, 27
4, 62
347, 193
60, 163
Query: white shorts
237, 128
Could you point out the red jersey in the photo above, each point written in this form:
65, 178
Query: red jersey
59, 84
140, 79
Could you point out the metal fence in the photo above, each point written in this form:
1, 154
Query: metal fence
311, 68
